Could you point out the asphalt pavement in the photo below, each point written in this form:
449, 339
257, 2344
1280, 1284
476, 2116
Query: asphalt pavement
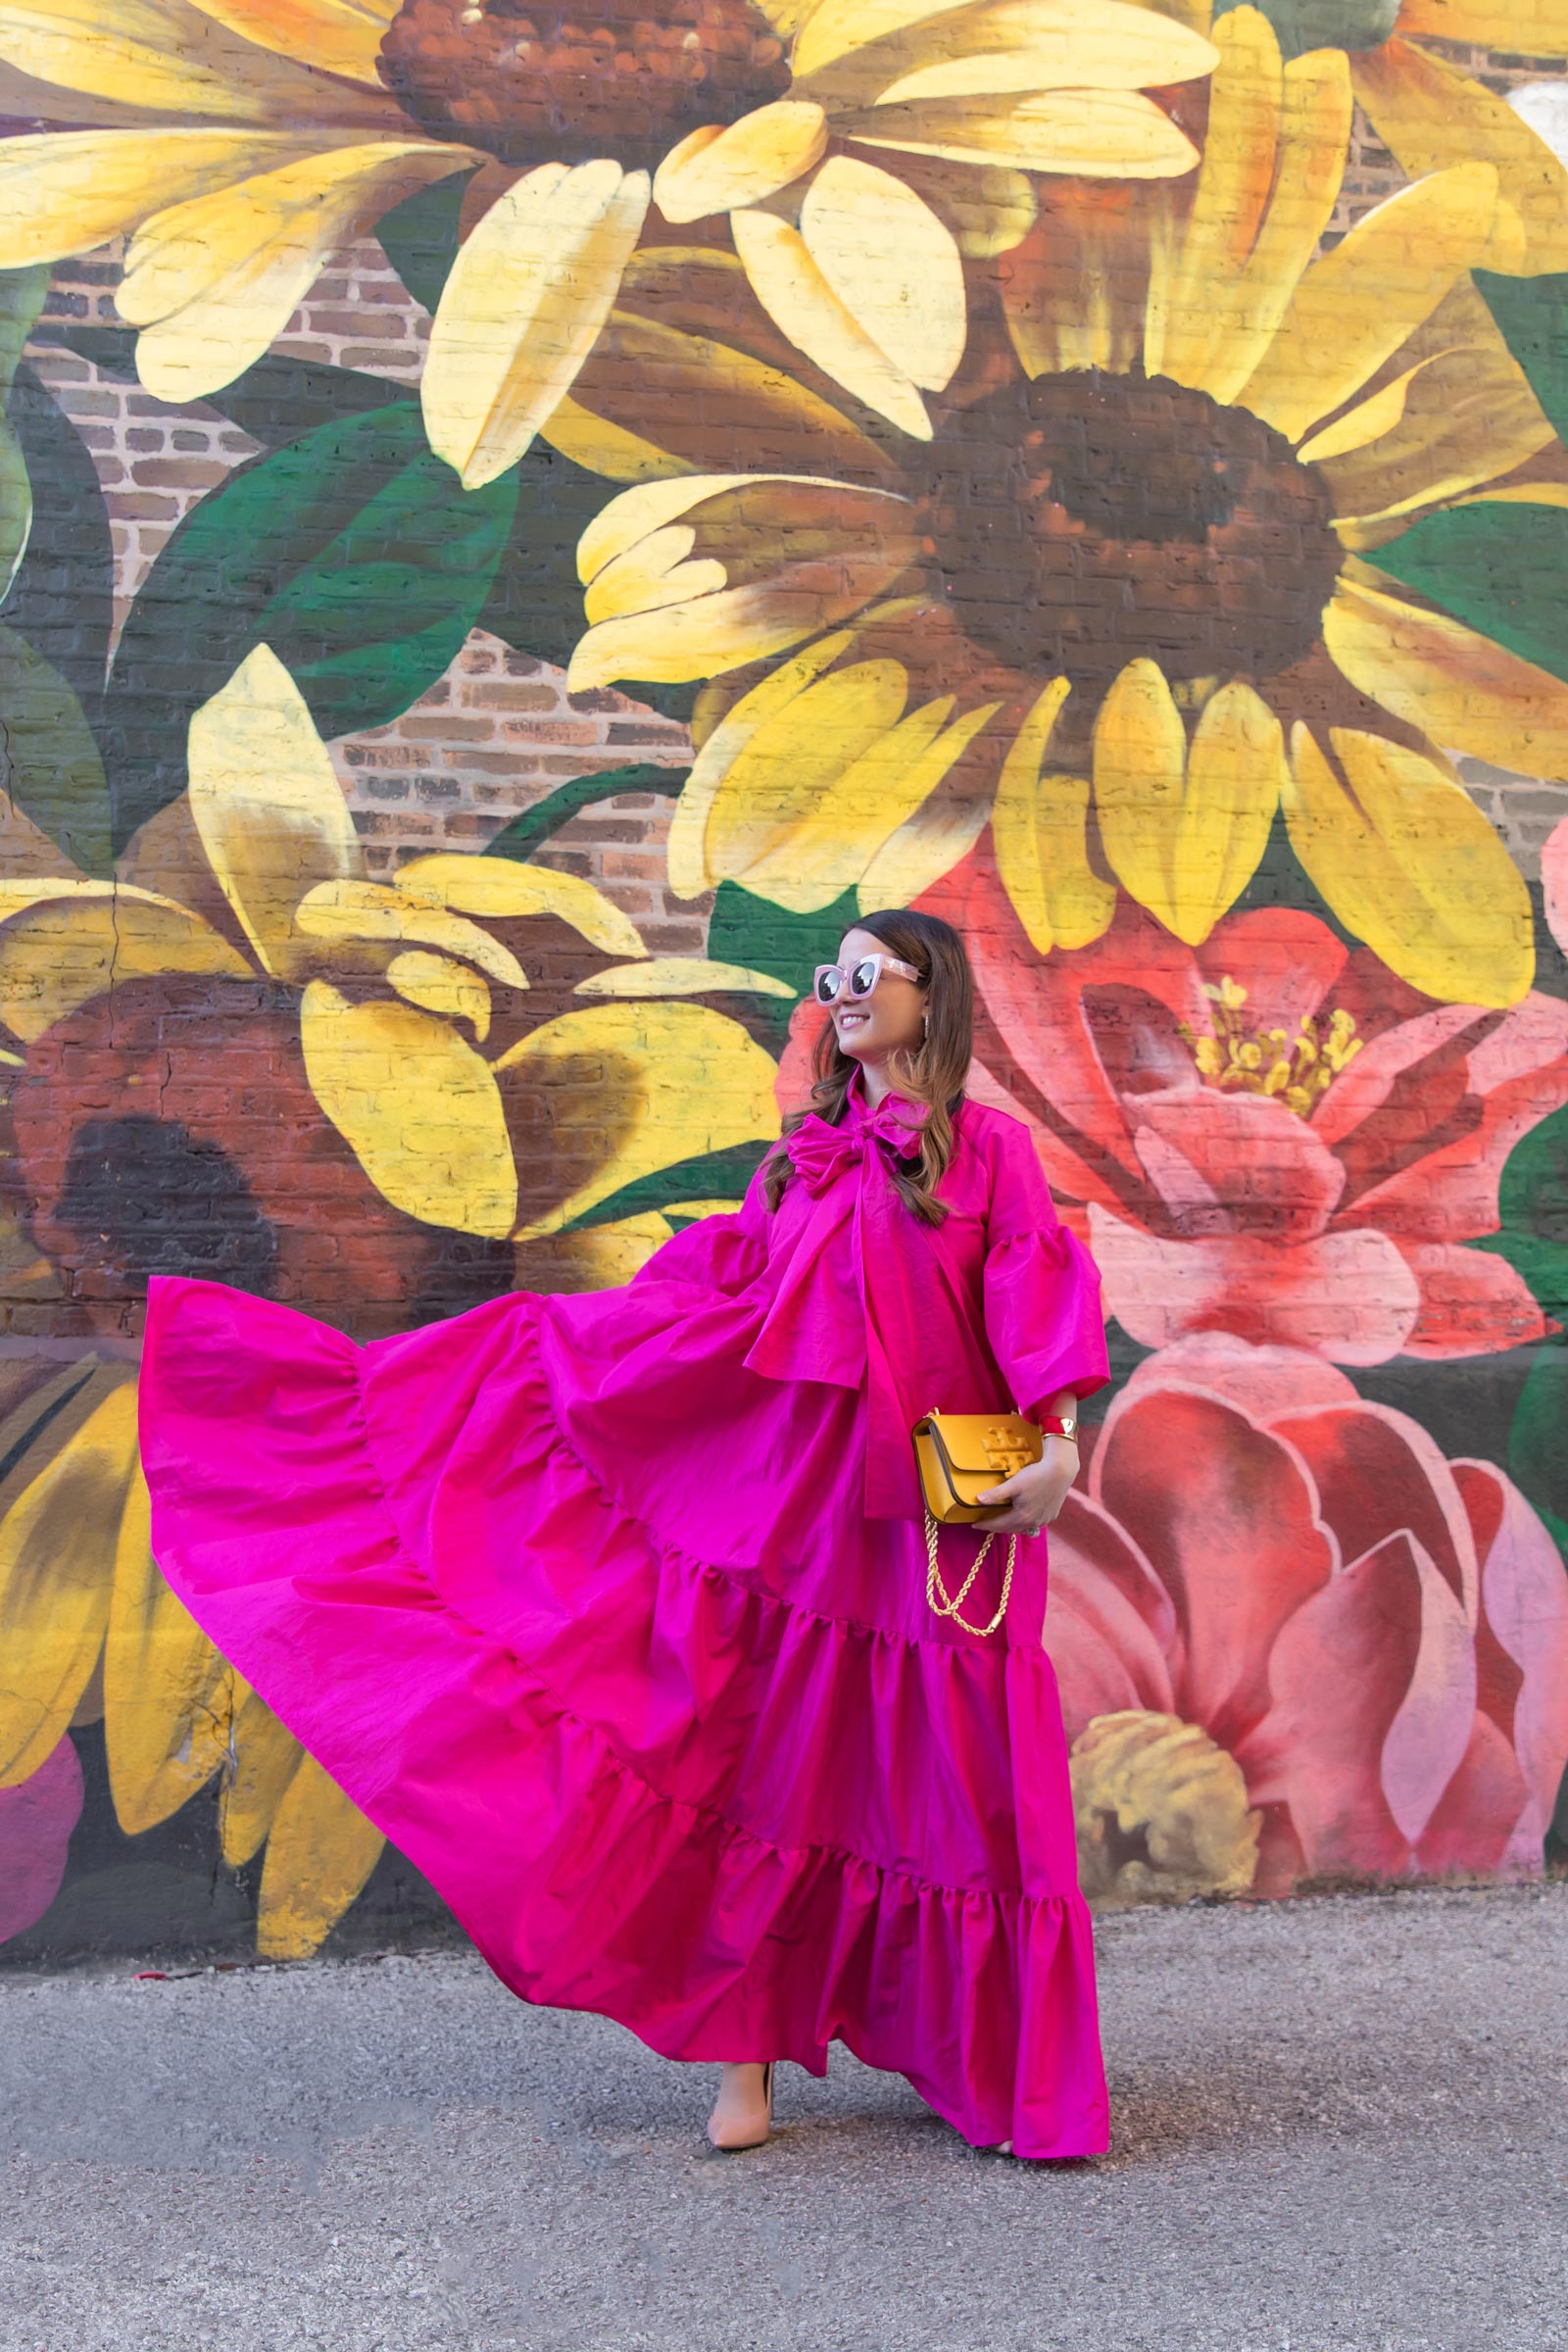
1341, 2125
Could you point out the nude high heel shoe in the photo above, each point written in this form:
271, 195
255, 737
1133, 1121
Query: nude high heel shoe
730, 2141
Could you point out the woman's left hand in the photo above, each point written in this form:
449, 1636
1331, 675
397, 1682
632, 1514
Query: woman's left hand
1036, 1493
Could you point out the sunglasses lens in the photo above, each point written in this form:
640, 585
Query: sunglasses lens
863, 978
828, 985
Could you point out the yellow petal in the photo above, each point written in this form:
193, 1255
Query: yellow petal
717, 166
642, 514
213, 281
1235, 771
727, 629
942, 826
886, 257
1186, 829
752, 718
1461, 419
57, 1560
340, 37
439, 985
523, 307
166, 1689
1230, 196
267, 804
626, 1090
67, 191
176, 60
1183, 832
1411, 867
1459, 688
373, 912
688, 341
1432, 117
796, 295
1140, 772
64, 943
680, 976
1075, 291
266, 1757
1112, 134
1313, 140
1523, 27
1356, 304
777, 820
1081, 43
651, 575
1006, 45
416, 1107
320, 1854
1039, 832
499, 890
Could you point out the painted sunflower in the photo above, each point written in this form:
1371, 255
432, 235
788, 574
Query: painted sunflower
242, 141
1127, 602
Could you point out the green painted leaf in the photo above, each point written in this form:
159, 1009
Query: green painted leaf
1502, 570
379, 611
750, 930
22, 295
49, 763
522, 836
354, 553
1533, 1207
711, 1176
536, 601
1304, 25
62, 598
419, 237
1532, 315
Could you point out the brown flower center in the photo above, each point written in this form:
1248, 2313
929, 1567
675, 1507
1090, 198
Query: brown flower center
1162, 1812
1083, 520
536, 83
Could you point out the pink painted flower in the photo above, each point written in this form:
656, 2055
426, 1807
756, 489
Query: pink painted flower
37, 1818
1269, 1135
1292, 1641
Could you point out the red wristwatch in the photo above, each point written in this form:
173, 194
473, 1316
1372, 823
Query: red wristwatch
1059, 1425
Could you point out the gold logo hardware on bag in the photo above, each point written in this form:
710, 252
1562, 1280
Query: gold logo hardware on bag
959, 1455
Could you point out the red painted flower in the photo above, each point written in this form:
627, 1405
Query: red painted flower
1268, 1135
1292, 1641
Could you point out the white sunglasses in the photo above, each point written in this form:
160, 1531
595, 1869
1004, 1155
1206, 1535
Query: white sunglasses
831, 981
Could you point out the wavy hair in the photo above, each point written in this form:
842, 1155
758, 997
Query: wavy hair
934, 1073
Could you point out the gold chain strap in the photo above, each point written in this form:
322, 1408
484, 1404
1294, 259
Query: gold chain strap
949, 1605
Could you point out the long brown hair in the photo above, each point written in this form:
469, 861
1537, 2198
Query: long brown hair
933, 1074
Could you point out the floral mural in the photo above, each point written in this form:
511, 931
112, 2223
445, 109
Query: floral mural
1093, 467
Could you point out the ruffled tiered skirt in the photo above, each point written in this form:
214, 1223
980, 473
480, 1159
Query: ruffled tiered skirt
746, 1806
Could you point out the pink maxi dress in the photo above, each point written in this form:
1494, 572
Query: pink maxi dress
610, 1609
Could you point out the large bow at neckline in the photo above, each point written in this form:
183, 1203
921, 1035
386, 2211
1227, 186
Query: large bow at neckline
819, 1151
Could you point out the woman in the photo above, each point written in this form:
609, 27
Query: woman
611, 1609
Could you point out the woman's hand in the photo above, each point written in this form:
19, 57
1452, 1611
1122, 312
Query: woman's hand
1034, 1495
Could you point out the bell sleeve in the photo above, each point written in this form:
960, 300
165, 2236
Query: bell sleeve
1041, 1303
725, 1251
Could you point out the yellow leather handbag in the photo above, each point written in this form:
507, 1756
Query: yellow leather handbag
959, 1456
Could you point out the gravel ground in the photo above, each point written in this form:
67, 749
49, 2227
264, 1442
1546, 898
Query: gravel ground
1339, 2123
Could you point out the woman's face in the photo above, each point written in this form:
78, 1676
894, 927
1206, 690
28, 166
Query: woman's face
893, 1015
